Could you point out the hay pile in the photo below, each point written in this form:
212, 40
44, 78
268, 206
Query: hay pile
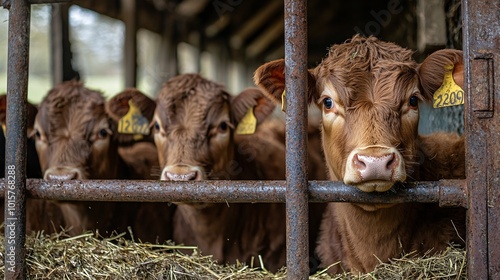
89, 256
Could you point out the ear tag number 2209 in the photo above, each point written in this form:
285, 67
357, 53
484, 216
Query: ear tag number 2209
133, 122
449, 94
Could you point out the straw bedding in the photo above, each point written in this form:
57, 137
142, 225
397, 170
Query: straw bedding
90, 256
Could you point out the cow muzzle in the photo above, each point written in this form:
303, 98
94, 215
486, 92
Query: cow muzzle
181, 172
63, 173
374, 168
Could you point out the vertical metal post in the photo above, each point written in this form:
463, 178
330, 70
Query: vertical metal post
296, 138
15, 150
482, 54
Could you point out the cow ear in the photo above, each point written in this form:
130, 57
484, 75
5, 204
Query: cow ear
432, 70
270, 77
31, 110
118, 106
252, 98
3, 109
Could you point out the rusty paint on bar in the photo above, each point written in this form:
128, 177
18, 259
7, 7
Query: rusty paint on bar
296, 139
15, 148
445, 192
482, 52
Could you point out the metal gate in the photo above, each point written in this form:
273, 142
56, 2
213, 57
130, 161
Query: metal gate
480, 192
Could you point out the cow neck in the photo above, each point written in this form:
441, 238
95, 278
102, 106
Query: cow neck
119, 169
234, 231
365, 231
207, 224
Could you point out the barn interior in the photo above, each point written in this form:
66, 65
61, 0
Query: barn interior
226, 40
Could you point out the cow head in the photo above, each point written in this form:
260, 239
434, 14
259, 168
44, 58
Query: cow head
369, 93
74, 134
193, 126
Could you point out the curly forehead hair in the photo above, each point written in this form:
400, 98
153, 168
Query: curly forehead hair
70, 102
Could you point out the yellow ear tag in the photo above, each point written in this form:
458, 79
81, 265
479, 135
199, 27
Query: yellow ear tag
283, 101
449, 94
4, 128
248, 123
133, 122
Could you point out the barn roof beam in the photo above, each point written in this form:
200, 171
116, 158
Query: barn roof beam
256, 22
272, 33
220, 24
191, 8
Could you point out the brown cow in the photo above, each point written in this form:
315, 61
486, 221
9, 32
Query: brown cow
194, 129
77, 139
369, 91
53, 214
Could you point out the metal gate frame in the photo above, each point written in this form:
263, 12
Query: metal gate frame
480, 192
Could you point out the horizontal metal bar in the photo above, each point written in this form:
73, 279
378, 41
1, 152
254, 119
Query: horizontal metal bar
7, 3
444, 192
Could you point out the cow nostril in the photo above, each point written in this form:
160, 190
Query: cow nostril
391, 161
358, 163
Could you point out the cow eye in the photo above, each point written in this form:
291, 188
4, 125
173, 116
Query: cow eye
103, 133
328, 103
156, 126
38, 135
223, 127
413, 101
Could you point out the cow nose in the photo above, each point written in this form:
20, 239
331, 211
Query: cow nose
181, 177
181, 173
62, 173
379, 167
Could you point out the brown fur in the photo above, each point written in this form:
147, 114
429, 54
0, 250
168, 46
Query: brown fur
74, 134
371, 83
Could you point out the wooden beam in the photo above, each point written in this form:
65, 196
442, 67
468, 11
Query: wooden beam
56, 45
169, 65
220, 24
61, 55
263, 41
129, 16
256, 22
191, 8
431, 25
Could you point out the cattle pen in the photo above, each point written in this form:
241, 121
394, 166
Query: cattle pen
478, 193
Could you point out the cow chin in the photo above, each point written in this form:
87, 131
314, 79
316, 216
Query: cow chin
374, 207
375, 186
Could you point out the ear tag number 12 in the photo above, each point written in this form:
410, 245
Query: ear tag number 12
133, 122
449, 94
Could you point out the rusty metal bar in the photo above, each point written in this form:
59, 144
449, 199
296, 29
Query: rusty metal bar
8, 3
482, 52
296, 139
445, 192
15, 148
